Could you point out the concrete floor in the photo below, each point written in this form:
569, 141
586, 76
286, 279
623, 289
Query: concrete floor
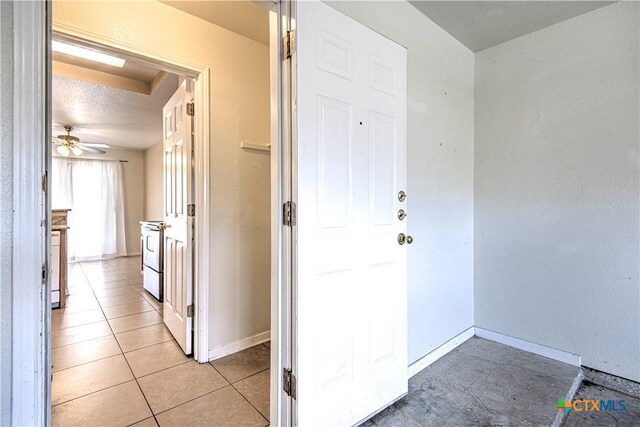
482, 383
589, 391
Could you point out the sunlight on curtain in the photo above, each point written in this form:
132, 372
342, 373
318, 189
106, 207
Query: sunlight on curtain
94, 191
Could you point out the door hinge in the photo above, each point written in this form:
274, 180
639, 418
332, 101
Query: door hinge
191, 209
289, 382
289, 214
288, 45
191, 310
191, 109
44, 183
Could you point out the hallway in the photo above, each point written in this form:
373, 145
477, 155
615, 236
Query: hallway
115, 363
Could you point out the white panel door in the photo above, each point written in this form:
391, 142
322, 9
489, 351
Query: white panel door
352, 281
178, 233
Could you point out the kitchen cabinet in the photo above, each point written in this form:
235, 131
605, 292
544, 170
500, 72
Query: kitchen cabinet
59, 260
55, 269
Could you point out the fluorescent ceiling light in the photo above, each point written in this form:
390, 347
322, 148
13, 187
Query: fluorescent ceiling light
84, 53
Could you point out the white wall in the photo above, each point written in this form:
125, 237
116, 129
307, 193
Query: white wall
557, 188
153, 183
133, 177
6, 207
440, 170
240, 222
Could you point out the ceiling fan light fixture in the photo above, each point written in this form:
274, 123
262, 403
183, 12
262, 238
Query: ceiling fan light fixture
76, 150
84, 53
63, 150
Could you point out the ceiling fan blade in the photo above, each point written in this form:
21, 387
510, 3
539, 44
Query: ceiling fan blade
90, 149
95, 145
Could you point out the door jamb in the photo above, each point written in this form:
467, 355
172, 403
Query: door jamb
202, 119
281, 235
31, 373
31, 319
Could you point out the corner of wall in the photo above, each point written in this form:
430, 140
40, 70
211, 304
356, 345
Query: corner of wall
6, 207
473, 204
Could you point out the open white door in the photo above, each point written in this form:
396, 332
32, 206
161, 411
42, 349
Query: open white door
351, 300
178, 233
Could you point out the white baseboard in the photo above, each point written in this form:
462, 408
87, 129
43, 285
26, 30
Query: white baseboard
541, 350
436, 354
133, 253
234, 347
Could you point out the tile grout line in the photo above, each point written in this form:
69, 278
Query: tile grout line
213, 391
164, 369
122, 352
107, 319
242, 379
229, 384
136, 379
89, 394
123, 356
115, 305
146, 346
113, 334
82, 342
245, 397
129, 365
191, 400
252, 375
123, 332
153, 415
86, 363
197, 397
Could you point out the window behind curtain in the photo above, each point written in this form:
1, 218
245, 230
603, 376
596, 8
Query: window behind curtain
94, 191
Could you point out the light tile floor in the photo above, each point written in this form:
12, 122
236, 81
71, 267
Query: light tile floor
116, 364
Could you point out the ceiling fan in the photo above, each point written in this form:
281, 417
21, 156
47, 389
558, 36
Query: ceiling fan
68, 144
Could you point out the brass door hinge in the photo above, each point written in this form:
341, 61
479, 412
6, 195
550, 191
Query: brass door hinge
289, 382
289, 214
191, 109
288, 45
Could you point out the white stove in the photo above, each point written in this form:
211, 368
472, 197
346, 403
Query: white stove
152, 257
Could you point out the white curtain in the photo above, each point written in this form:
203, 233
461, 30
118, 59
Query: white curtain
94, 191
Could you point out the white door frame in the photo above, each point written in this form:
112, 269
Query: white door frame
281, 405
31, 321
202, 129
31, 370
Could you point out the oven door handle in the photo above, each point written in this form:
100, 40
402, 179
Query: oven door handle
142, 253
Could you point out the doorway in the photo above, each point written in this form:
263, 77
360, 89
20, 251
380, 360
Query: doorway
286, 299
82, 32
219, 380
122, 156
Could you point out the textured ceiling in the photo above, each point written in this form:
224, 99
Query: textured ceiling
240, 16
483, 24
101, 114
